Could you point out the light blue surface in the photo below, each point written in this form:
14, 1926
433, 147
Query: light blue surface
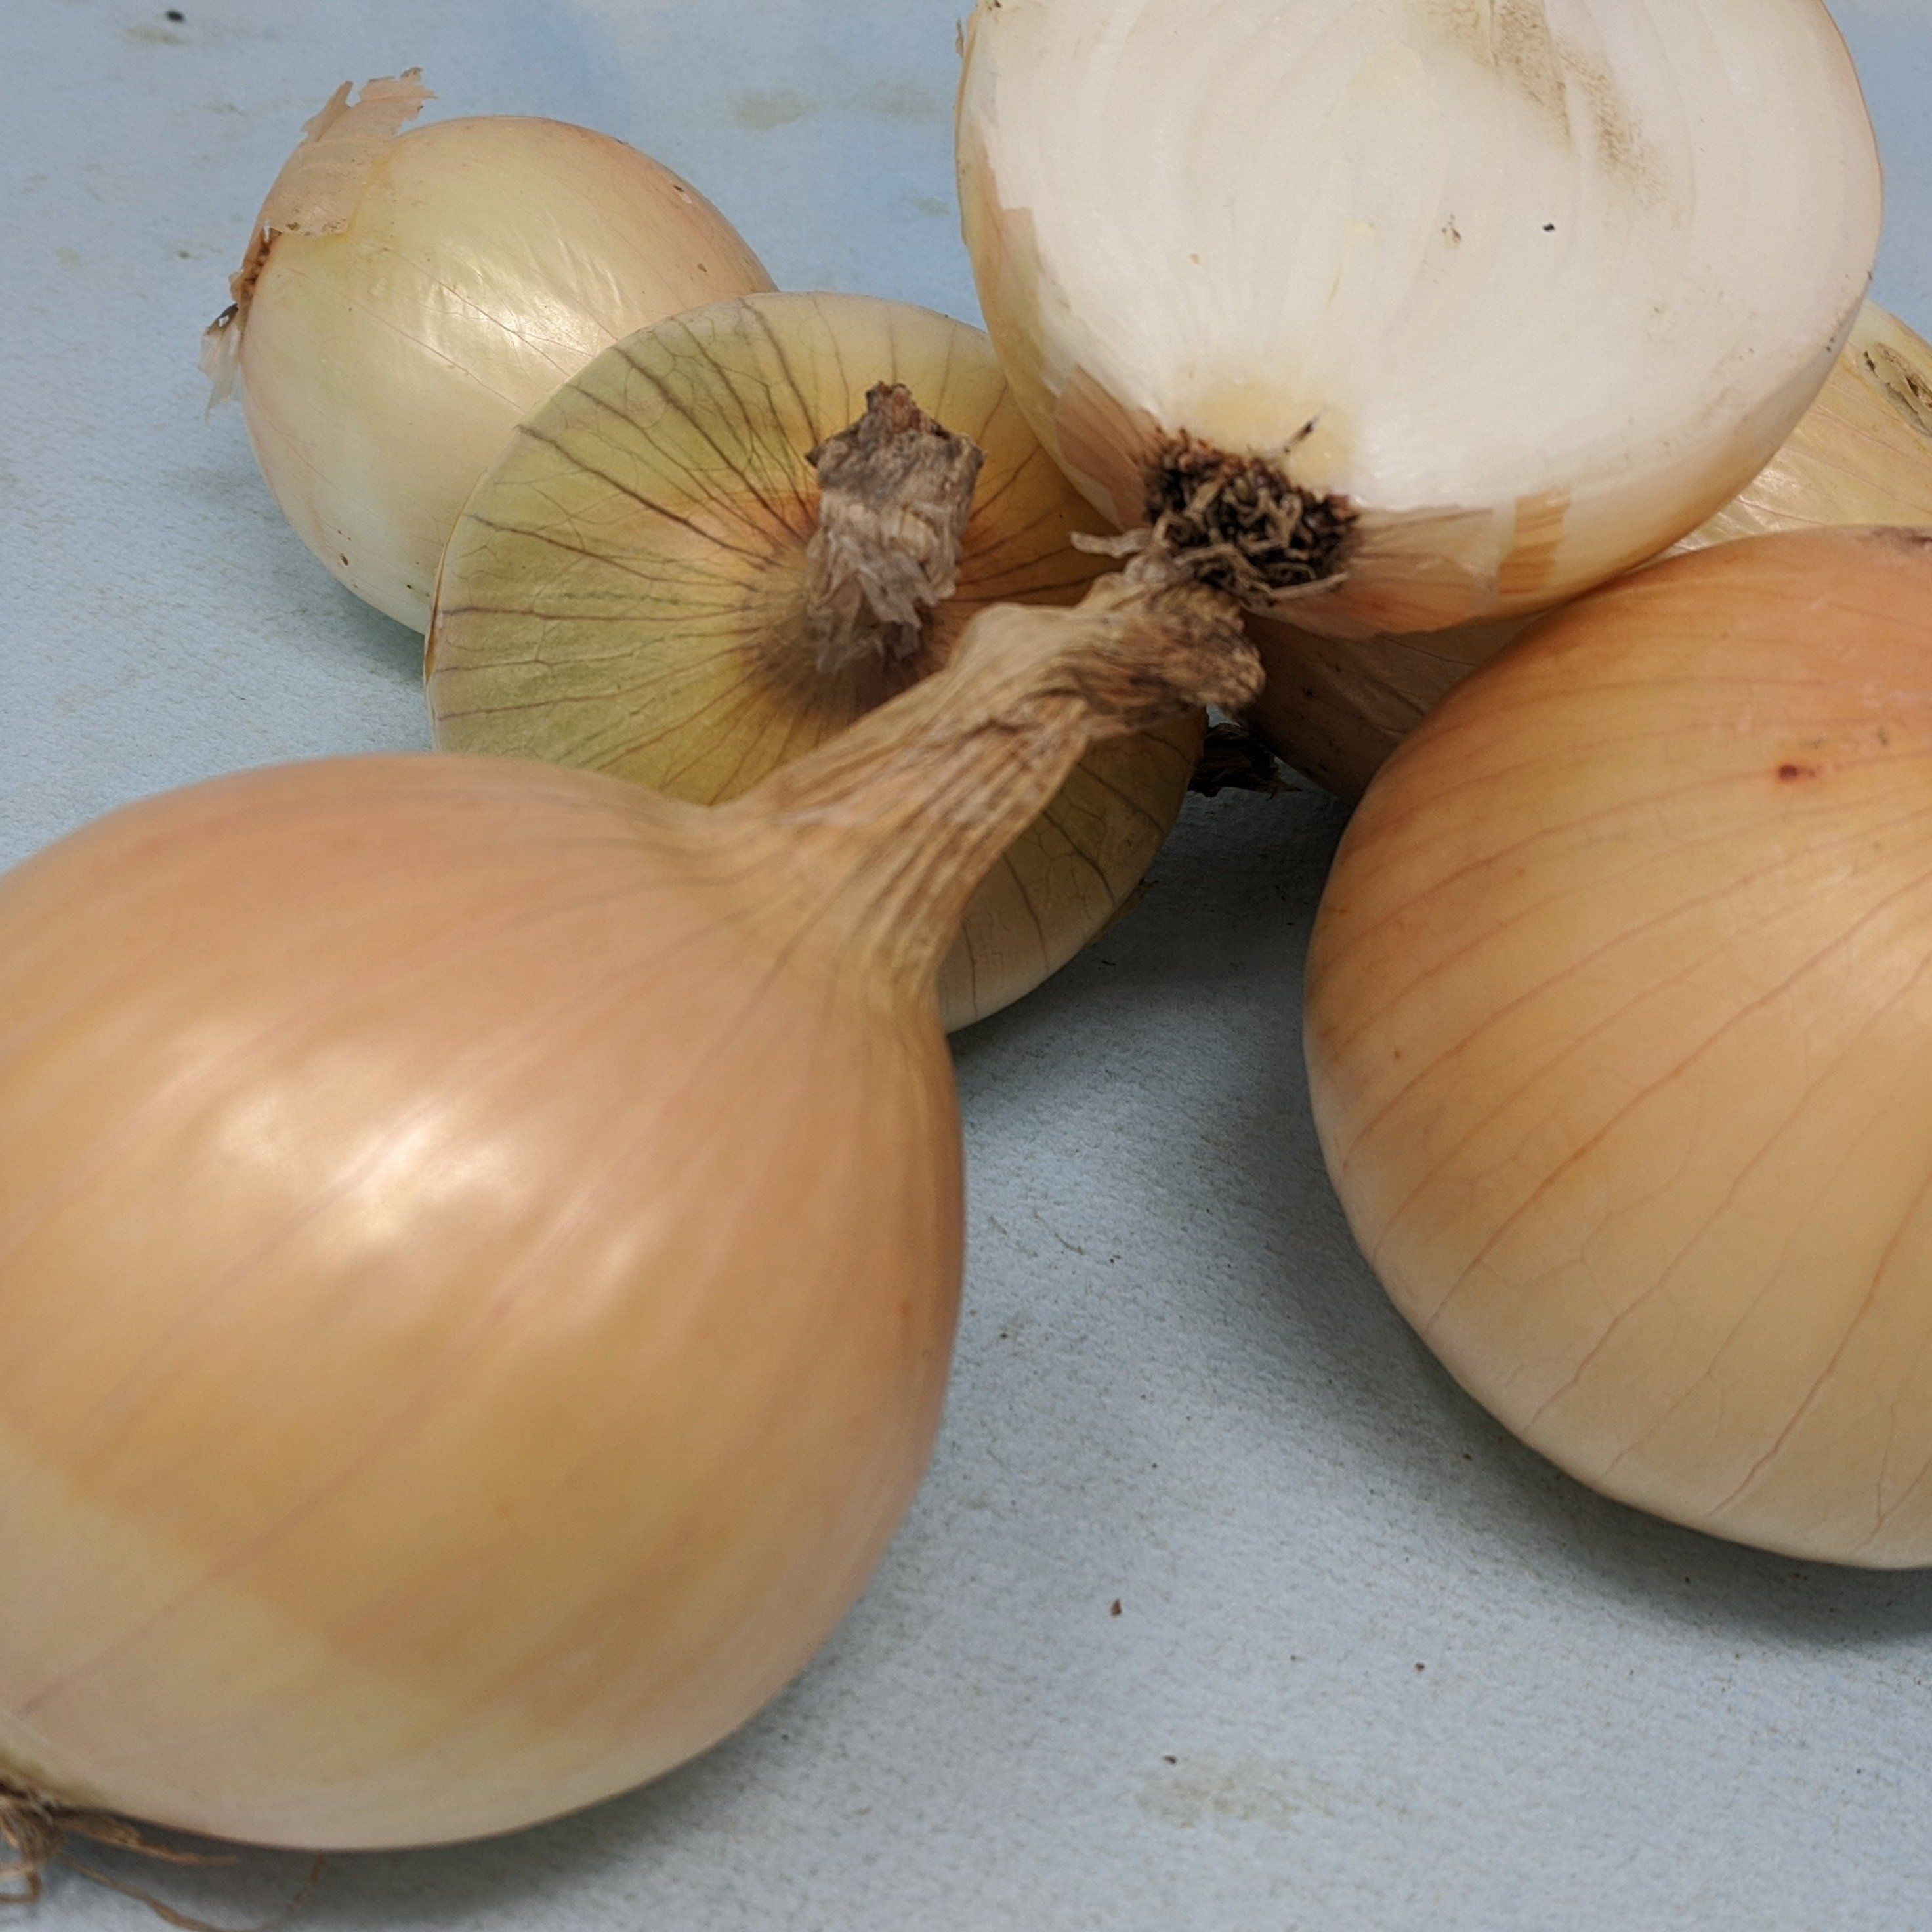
1176, 1386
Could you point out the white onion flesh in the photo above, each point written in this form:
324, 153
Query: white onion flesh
1535, 285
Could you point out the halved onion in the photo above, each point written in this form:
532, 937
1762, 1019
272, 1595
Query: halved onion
1443, 312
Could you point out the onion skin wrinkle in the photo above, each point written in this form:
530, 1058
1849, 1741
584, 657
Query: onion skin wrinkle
1619, 1032
407, 298
480, 1245
1475, 305
1335, 708
653, 583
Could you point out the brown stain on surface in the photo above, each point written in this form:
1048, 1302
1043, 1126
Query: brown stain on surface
761, 112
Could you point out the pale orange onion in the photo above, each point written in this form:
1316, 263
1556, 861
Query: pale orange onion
637, 589
407, 299
1335, 708
1620, 1033
479, 1245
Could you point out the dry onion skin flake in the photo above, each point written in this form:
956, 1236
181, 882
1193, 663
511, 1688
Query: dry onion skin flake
408, 299
480, 1244
1620, 1033
1398, 314
1335, 708
732, 535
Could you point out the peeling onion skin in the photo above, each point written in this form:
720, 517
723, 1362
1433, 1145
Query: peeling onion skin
1336, 708
476, 263
665, 639
480, 1245
1619, 1031
1535, 289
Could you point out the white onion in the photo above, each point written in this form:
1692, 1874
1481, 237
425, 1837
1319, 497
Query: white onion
407, 300
1528, 287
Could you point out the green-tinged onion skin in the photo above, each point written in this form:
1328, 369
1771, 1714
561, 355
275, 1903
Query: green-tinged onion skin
627, 591
1619, 1031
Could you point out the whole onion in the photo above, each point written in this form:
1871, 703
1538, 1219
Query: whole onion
407, 299
479, 1245
707, 554
1620, 1034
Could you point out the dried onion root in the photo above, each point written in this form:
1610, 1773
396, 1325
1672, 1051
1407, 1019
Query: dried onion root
709, 552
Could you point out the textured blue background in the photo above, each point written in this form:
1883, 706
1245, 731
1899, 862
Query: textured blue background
1177, 1387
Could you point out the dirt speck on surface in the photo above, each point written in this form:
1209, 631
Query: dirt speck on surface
778, 108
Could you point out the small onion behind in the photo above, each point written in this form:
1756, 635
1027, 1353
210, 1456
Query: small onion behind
1620, 1035
408, 299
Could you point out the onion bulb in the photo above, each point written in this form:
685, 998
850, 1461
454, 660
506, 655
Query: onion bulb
480, 1243
1336, 708
1620, 1034
1396, 314
407, 299
645, 586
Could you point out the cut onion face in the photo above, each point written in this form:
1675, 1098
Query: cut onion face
1504, 297
407, 297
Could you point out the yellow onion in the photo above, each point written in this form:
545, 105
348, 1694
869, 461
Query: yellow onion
407, 299
479, 1245
1394, 315
1620, 1035
1336, 708
642, 587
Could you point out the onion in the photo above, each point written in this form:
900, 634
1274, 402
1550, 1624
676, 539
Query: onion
1335, 708
479, 1245
1401, 316
1620, 1035
405, 301
642, 588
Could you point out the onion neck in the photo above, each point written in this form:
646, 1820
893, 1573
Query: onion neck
890, 828
896, 494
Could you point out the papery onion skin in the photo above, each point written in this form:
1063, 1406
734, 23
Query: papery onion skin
1619, 1032
1534, 291
1335, 708
358, 1490
627, 591
389, 346
480, 1243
